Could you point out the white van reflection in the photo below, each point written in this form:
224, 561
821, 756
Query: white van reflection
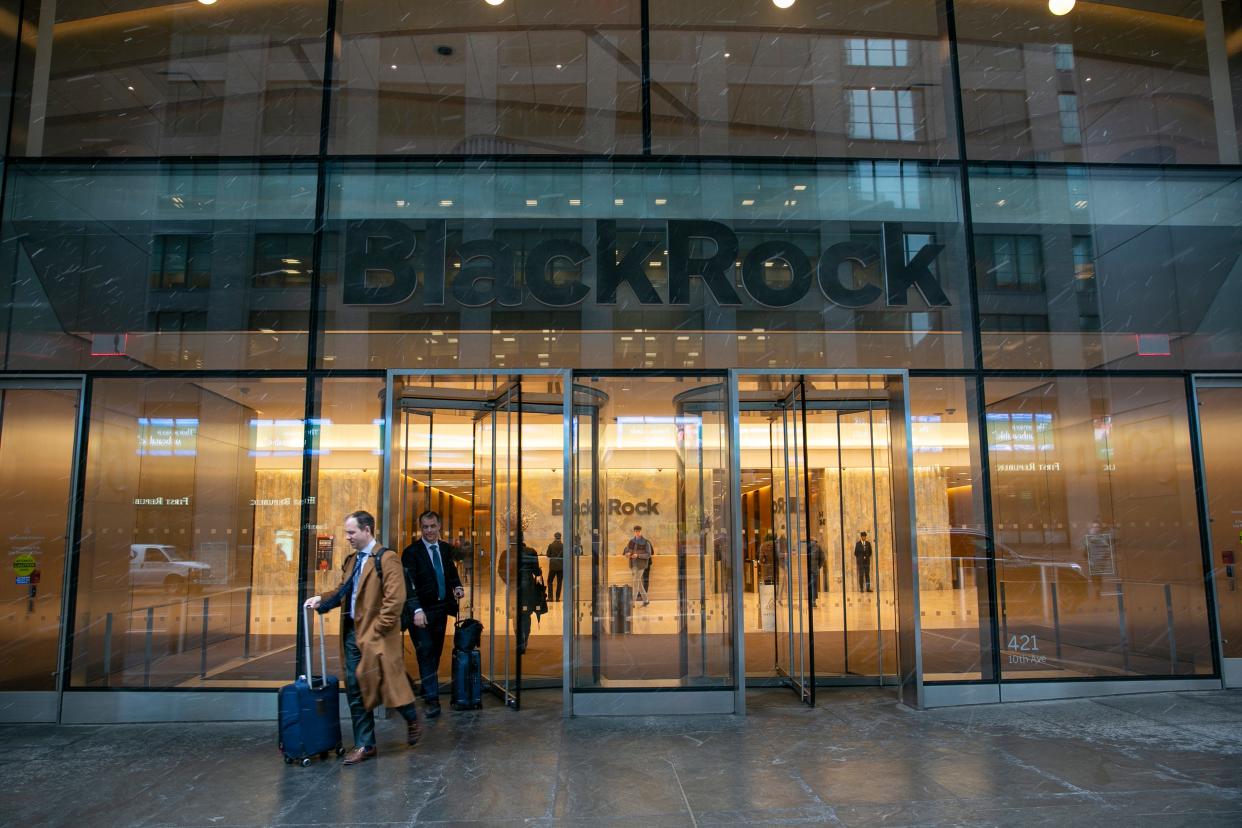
159, 565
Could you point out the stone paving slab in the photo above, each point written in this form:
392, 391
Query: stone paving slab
857, 759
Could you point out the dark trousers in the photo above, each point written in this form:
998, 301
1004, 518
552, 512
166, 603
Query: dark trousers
428, 647
555, 578
363, 719
647, 578
864, 574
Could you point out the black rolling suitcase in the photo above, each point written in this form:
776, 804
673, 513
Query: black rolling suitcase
310, 710
467, 671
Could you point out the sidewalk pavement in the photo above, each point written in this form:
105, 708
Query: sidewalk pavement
857, 759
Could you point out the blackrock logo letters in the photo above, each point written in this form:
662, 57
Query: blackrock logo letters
384, 256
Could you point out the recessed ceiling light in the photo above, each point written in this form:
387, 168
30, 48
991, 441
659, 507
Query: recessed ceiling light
660, 202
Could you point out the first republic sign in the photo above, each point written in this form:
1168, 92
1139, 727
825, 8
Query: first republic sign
384, 256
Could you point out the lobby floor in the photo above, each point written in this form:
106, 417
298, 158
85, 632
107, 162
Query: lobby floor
857, 759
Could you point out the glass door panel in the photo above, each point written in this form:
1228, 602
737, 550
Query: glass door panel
653, 582
885, 561
1220, 423
38, 428
827, 535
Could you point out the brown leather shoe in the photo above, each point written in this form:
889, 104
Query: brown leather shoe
413, 732
360, 754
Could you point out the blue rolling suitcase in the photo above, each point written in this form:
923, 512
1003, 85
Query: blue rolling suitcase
467, 680
310, 711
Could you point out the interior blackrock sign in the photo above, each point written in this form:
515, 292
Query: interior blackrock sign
383, 257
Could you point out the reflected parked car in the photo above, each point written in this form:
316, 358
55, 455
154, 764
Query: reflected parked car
159, 565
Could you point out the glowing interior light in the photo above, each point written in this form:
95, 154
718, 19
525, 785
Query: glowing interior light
1060, 7
782, 4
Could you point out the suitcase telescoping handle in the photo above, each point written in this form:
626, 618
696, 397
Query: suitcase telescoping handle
323, 652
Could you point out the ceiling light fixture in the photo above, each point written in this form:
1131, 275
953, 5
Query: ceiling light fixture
207, 2
1057, 7
782, 4
494, 2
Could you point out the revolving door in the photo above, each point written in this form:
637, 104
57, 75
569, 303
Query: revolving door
486, 452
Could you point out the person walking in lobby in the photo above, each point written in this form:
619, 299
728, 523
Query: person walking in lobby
640, 552
556, 567
862, 557
371, 601
435, 589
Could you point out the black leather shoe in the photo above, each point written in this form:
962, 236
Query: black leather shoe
432, 710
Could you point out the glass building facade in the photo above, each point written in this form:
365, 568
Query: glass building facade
963, 276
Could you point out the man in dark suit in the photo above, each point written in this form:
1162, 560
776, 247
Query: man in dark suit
435, 589
862, 557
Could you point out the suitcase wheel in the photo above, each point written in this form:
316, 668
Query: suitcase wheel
306, 762
288, 760
340, 750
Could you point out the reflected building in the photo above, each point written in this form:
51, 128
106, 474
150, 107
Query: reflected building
756, 279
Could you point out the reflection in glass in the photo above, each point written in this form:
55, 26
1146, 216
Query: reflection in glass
1098, 561
187, 575
817, 79
150, 78
475, 78
538, 264
157, 266
1122, 81
1116, 268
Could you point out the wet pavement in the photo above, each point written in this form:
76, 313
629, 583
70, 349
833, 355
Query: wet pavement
857, 759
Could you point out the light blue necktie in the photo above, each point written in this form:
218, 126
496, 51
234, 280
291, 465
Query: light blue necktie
438, 567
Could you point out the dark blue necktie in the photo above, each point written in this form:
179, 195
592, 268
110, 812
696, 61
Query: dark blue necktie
434, 549
353, 582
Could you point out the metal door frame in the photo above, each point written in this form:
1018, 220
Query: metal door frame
1230, 668
47, 705
513, 375
910, 661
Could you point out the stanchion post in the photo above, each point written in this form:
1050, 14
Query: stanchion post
107, 655
146, 661
1121, 627
1168, 610
202, 657
246, 638
1056, 619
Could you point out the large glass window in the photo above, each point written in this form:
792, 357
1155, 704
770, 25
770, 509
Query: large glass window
472, 78
1108, 267
1099, 566
157, 266
347, 453
817, 78
38, 432
1119, 81
187, 575
151, 78
668, 266
954, 586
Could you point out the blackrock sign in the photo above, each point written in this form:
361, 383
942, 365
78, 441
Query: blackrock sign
383, 258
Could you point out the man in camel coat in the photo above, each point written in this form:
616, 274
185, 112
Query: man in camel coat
371, 643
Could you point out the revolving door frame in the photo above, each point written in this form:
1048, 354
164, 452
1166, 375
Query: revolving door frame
388, 509
904, 521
